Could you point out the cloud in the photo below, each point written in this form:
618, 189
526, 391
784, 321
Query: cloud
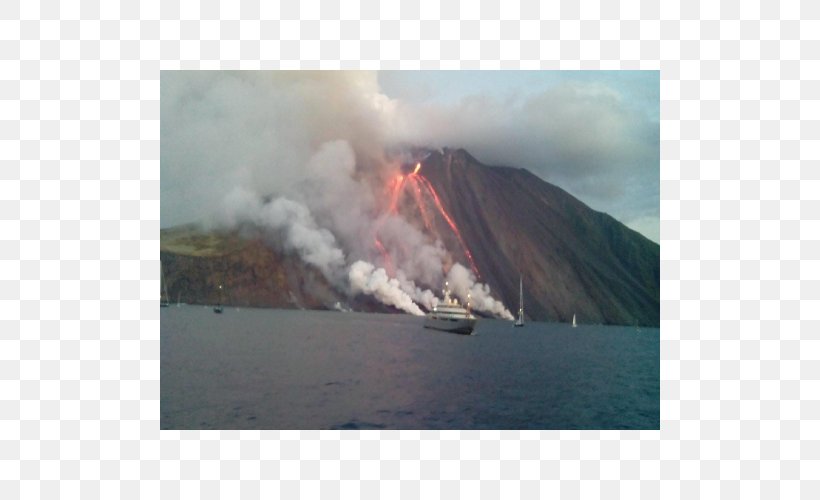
585, 137
647, 226
257, 130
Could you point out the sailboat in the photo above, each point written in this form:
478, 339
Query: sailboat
574, 324
218, 308
520, 320
163, 301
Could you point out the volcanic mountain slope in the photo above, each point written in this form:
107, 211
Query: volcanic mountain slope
251, 271
573, 259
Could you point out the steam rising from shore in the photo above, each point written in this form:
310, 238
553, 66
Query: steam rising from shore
463, 282
366, 278
292, 224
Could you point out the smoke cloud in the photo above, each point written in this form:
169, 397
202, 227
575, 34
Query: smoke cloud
462, 282
294, 223
424, 297
366, 278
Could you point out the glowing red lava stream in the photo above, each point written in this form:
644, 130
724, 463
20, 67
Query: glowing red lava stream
388, 262
450, 222
417, 180
396, 189
417, 194
396, 193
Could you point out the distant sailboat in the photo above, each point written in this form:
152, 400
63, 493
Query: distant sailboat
574, 324
218, 308
520, 320
164, 301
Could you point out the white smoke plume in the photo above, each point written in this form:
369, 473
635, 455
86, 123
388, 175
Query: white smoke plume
316, 246
336, 197
462, 281
422, 260
294, 223
426, 298
366, 278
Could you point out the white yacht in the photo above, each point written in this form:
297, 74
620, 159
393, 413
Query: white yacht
451, 316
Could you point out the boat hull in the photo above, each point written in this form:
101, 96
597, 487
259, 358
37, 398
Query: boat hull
462, 326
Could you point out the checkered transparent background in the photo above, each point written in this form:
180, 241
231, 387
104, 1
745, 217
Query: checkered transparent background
79, 240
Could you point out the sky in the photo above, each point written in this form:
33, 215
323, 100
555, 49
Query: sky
595, 134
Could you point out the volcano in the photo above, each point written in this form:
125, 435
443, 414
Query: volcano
573, 259
503, 222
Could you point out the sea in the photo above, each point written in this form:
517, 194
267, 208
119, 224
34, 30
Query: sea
295, 369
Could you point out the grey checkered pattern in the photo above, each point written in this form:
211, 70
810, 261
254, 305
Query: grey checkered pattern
79, 239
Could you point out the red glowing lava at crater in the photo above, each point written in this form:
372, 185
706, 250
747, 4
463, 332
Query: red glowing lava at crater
423, 194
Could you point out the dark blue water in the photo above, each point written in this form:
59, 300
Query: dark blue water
275, 369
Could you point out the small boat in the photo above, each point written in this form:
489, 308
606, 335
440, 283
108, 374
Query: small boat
163, 301
218, 308
520, 320
450, 316
574, 324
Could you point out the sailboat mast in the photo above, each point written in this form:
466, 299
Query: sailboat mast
520, 320
164, 283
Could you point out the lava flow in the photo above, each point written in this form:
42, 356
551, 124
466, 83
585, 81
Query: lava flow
419, 197
450, 222
420, 186
388, 262
397, 189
